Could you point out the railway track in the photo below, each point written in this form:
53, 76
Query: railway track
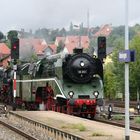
18, 131
133, 104
119, 113
27, 117
4, 122
53, 133
119, 123
34, 130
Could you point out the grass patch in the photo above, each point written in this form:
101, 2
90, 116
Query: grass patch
78, 126
137, 120
64, 126
118, 117
99, 134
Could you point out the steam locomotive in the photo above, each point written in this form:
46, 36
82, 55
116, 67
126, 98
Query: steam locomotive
76, 82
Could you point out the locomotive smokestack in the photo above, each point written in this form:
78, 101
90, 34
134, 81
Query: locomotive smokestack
78, 50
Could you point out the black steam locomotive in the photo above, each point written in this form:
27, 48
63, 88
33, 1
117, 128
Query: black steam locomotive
76, 82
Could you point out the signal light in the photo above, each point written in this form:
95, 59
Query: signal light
14, 48
101, 47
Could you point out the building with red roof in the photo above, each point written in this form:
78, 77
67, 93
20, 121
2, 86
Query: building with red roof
72, 42
4, 55
76, 42
31, 46
58, 40
53, 47
105, 30
4, 50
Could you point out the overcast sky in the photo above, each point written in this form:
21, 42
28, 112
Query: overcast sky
34, 14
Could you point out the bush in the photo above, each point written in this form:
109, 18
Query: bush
118, 117
137, 120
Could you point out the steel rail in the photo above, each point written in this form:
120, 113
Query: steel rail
111, 122
16, 130
52, 132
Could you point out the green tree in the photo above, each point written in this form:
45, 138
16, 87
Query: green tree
43, 33
62, 32
71, 27
118, 70
136, 29
110, 81
60, 46
114, 73
93, 43
54, 34
135, 68
1, 35
92, 46
12, 34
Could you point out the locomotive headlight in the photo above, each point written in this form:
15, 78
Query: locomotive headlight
82, 64
71, 93
96, 94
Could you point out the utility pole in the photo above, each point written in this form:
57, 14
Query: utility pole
127, 121
88, 23
127, 56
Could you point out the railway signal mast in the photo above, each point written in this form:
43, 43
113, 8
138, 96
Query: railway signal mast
14, 57
101, 47
14, 48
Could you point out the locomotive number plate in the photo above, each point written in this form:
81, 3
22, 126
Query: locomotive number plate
82, 71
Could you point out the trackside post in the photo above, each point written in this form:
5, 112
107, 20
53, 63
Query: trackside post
14, 86
14, 57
